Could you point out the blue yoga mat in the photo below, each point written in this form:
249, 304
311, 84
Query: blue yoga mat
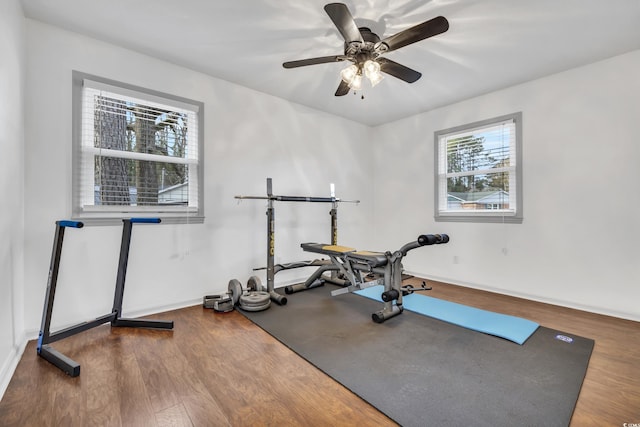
504, 326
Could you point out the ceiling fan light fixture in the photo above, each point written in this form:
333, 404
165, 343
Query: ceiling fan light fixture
371, 67
349, 73
363, 48
372, 71
356, 83
375, 78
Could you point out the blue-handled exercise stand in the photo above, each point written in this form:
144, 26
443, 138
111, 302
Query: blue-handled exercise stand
45, 338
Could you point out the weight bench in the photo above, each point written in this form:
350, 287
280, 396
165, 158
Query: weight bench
354, 264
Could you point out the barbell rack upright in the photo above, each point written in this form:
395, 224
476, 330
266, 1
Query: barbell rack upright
271, 198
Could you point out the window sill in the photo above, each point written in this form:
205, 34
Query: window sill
496, 219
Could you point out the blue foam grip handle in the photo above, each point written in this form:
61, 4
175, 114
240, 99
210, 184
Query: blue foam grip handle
146, 220
74, 224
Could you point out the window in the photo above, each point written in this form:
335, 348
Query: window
478, 171
136, 152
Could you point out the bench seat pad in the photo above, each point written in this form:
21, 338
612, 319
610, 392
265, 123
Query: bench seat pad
374, 259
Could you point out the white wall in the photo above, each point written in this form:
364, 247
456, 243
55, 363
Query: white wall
248, 136
578, 244
11, 186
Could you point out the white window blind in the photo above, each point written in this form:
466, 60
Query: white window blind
138, 153
478, 171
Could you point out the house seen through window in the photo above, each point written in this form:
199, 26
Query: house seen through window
478, 171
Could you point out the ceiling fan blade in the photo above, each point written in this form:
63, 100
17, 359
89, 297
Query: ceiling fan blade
343, 88
314, 61
398, 70
341, 17
416, 33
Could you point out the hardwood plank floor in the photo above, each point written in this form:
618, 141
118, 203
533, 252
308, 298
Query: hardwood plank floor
221, 370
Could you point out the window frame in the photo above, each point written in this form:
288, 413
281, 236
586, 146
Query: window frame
108, 215
479, 216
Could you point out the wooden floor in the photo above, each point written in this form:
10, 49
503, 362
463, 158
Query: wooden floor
220, 369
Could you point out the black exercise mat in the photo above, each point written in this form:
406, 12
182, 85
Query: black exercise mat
421, 371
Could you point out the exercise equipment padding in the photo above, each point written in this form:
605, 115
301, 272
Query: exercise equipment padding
354, 265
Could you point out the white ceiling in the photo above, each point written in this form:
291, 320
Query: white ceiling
491, 44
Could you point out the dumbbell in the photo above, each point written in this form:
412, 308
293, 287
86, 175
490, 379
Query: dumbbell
220, 303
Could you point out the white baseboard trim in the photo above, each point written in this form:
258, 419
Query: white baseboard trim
10, 364
162, 309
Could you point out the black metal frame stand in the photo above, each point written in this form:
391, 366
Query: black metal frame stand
46, 337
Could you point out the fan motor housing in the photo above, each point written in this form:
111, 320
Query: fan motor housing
366, 50
368, 36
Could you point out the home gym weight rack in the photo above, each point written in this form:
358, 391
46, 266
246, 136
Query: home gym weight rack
47, 337
272, 268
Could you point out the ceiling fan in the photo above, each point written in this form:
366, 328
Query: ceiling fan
364, 49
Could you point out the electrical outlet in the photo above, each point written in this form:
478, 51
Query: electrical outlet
455, 259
